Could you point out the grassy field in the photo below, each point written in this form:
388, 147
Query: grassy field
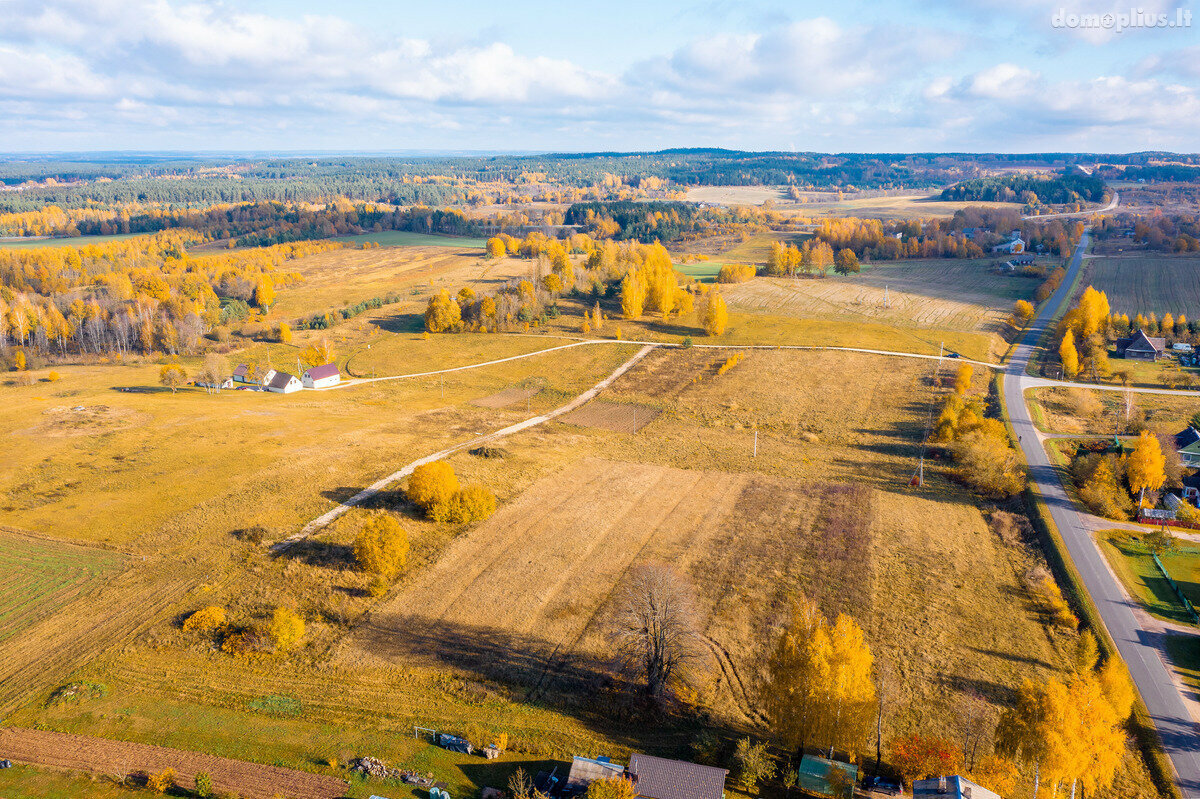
1147, 283
77, 241
43, 576
406, 238
1131, 561
1084, 411
944, 294
1184, 652
904, 206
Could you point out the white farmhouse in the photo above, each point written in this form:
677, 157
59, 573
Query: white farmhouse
281, 382
322, 376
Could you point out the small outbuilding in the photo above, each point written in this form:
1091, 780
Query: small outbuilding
586, 770
826, 777
322, 376
282, 382
242, 374
951, 788
659, 778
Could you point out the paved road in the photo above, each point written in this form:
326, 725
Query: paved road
1112, 204
1138, 646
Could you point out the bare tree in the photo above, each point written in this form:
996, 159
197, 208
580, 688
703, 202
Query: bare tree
655, 628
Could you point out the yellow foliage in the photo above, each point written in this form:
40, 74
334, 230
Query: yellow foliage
162, 781
432, 484
716, 314
1144, 467
381, 547
443, 314
205, 620
730, 362
286, 629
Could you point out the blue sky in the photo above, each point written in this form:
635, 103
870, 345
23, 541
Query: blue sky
835, 76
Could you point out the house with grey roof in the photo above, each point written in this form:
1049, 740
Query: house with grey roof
1141, 347
659, 778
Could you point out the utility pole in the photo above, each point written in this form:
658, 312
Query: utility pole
885, 297
755, 455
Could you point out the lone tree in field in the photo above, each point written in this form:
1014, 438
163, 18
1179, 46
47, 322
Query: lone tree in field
432, 485
716, 315
172, 376
214, 373
381, 547
1023, 311
286, 628
655, 630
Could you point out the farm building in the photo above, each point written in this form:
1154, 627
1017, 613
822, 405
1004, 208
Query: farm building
1141, 347
322, 376
818, 775
242, 374
586, 770
951, 788
281, 382
1015, 246
226, 383
658, 778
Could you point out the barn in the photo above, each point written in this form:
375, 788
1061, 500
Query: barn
282, 382
322, 376
1141, 347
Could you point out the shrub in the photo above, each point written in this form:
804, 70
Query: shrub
243, 642
736, 273
470, 504
205, 620
432, 484
287, 628
161, 782
53, 377
204, 785
284, 333
381, 547
730, 362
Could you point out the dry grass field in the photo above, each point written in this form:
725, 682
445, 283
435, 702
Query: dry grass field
612, 416
468, 637
904, 206
43, 576
1082, 411
343, 277
945, 294
1147, 283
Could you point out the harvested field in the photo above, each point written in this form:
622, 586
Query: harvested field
614, 416
1147, 283
102, 756
506, 397
42, 576
947, 294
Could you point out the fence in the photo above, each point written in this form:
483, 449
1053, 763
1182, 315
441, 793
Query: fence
1187, 604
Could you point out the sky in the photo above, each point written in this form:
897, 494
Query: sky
884, 76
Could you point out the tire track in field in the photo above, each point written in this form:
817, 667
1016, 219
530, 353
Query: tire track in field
741, 697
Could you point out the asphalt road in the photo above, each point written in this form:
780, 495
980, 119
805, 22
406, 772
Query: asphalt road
1137, 646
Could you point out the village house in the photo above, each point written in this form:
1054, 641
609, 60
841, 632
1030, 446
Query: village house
322, 376
1187, 444
281, 382
1014, 246
586, 770
1141, 347
242, 374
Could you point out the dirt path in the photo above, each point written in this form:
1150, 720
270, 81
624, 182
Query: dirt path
121, 758
373, 489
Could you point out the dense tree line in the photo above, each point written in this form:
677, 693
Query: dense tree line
141, 295
1175, 233
1068, 187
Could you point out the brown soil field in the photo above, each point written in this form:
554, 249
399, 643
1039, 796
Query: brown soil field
947, 294
1147, 283
103, 756
613, 416
506, 397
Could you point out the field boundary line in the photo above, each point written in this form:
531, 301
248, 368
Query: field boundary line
373, 489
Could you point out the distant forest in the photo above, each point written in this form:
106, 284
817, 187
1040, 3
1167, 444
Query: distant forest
1068, 187
198, 181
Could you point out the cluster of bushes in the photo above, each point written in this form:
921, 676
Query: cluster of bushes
986, 461
1049, 598
730, 362
327, 320
1050, 285
1111, 484
434, 488
736, 273
280, 633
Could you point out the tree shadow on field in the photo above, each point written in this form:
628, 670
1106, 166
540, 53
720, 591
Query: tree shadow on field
1001, 695
1013, 658
316, 552
343, 493
400, 323
496, 774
